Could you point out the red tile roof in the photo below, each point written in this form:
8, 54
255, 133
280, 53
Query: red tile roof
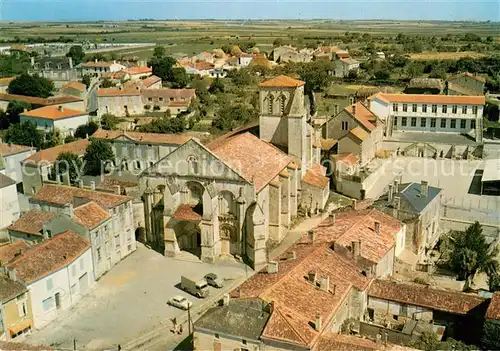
145, 138
49, 256
40, 101
331, 341
139, 70
363, 115
358, 134
11, 149
31, 222
282, 81
17, 346
149, 81
421, 295
360, 225
75, 85
6, 81
77, 147
167, 94
53, 112
185, 212
347, 158
315, 177
255, 160
297, 301
10, 251
90, 215
62, 195
493, 311
118, 92
430, 99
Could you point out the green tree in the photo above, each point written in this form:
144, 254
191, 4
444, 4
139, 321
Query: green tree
428, 341
76, 53
414, 69
107, 83
86, 130
109, 121
163, 67
86, 80
278, 42
165, 125
31, 86
241, 77
231, 115
317, 75
180, 78
52, 139
14, 109
382, 74
159, 51
471, 254
217, 86
97, 155
494, 282
67, 162
491, 335
25, 133
11, 65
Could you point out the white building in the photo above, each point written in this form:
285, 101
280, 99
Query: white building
50, 118
9, 203
139, 72
120, 102
100, 68
12, 156
244, 60
430, 113
57, 272
344, 65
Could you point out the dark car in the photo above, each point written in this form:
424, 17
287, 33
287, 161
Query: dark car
213, 280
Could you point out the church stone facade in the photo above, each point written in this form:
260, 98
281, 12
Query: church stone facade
236, 195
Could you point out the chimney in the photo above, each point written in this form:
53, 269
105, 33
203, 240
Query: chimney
332, 218
68, 209
292, 255
396, 204
225, 299
70, 62
92, 185
80, 183
312, 236
95, 60
377, 227
117, 189
356, 249
391, 193
354, 108
325, 283
318, 323
334, 289
424, 188
13, 274
272, 267
60, 108
354, 204
311, 276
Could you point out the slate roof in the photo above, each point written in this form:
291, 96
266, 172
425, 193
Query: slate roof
49, 256
243, 318
9, 289
63, 194
90, 215
422, 295
10, 251
77, 147
493, 311
6, 181
31, 222
255, 160
145, 138
411, 193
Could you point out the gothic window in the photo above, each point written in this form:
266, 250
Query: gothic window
193, 165
270, 102
47, 65
227, 203
282, 104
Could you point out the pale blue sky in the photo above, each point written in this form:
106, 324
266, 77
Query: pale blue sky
478, 10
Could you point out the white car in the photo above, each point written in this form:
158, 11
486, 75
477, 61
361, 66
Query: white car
180, 302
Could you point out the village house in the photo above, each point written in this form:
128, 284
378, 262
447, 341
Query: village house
99, 68
76, 89
345, 65
430, 113
12, 156
293, 56
492, 323
120, 232
119, 102
419, 206
244, 60
29, 228
139, 72
425, 86
4, 83
465, 84
71, 102
9, 203
16, 318
52, 118
251, 198
279, 51
139, 151
203, 56
151, 82
37, 168
57, 273
395, 303
305, 294
173, 100
60, 70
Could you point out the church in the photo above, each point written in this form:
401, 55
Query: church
238, 194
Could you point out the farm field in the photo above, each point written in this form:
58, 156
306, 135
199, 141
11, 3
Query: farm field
431, 55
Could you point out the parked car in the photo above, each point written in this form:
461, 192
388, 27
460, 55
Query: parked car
180, 302
213, 280
196, 286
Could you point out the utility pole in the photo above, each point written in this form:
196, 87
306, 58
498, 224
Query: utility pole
74, 344
189, 319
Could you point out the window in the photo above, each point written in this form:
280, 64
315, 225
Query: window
443, 123
473, 124
395, 317
403, 121
217, 336
345, 125
59, 66
117, 243
423, 122
463, 123
57, 298
270, 103
150, 99
21, 305
453, 123
50, 284
138, 164
82, 264
464, 110
161, 99
48, 304
404, 310
434, 108
282, 104
129, 235
99, 254
395, 107
474, 110
414, 108
414, 121
405, 107
395, 121
444, 109
193, 165
424, 108
244, 342
433, 123
454, 109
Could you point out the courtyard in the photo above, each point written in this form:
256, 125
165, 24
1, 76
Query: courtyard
131, 300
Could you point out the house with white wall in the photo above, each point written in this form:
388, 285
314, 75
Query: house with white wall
344, 65
9, 203
57, 273
100, 68
120, 102
50, 118
13, 155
